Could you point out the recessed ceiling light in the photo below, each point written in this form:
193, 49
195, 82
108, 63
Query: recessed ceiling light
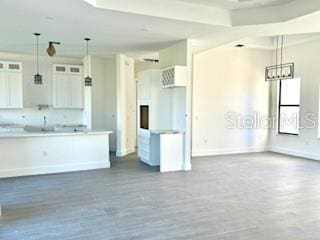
49, 18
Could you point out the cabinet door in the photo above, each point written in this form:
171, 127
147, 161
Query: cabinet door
4, 90
75, 70
143, 85
2, 66
14, 66
15, 89
75, 89
58, 68
60, 91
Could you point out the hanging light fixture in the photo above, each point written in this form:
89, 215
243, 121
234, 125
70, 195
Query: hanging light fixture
51, 49
279, 71
37, 77
87, 79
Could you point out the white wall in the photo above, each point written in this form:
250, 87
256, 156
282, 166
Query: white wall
179, 109
181, 54
142, 66
104, 96
307, 144
101, 99
176, 55
228, 80
126, 105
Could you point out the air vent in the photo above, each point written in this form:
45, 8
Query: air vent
74, 69
168, 77
14, 66
1, 65
60, 69
175, 76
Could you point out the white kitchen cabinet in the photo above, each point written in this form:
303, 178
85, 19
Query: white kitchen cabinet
4, 93
11, 85
68, 87
60, 91
143, 85
175, 76
157, 99
76, 96
15, 86
154, 111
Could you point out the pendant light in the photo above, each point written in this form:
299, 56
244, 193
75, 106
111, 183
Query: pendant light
37, 77
87, 79
51, 49
279, 71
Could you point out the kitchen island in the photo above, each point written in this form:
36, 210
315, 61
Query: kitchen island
33, 153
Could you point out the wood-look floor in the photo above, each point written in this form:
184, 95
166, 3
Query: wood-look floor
252, 196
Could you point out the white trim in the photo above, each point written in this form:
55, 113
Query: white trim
318, 110
286, 151
125, 153
295, 153
17, 172
226, 151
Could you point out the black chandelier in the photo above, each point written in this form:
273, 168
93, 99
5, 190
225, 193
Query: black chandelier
279, 71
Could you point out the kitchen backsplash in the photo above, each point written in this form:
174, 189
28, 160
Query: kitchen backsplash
34, 117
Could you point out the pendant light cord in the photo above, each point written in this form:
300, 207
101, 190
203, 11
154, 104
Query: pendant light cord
277, 41
87, 39
37, 38
37, 54
281, 55
87, 57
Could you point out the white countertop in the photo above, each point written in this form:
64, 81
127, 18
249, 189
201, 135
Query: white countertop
166, 132
52, 134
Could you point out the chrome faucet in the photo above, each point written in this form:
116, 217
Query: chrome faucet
44, 124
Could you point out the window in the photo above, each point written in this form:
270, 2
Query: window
289, 106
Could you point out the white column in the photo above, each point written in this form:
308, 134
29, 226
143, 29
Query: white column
126, 102
87, 113
188, 132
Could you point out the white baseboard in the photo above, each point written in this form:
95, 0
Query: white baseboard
53, 169
125, 153
286, 151
228, 151
294, 152
187, 167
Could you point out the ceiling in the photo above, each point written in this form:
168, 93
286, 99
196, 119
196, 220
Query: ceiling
111, 31
237, 4
140, 27
270, 42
